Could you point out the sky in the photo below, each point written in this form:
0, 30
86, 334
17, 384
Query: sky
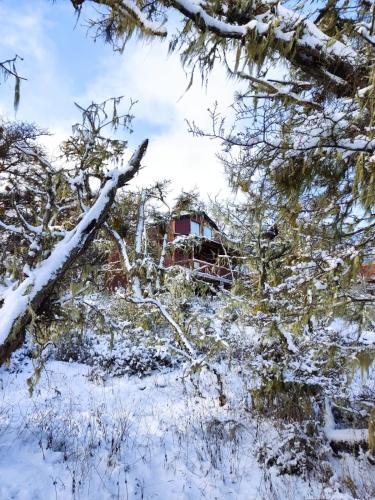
63, 65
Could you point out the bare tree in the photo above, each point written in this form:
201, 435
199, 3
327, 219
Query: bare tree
53, 214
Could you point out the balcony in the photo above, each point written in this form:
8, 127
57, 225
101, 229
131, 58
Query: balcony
209, 271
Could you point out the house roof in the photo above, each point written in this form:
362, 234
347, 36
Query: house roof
199, 213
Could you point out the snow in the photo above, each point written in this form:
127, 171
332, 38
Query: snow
131, 437
140, 224
288, 19
11, 227
329, 421
289, 340
351, 436
155, 459
367, 337
138, 299
314, 37
89, 432
131, 6
212, 277
221, 26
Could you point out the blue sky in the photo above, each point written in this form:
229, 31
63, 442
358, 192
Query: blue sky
63, 64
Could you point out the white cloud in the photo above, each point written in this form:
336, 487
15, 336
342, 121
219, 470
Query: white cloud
159, 82
46, 95
144, 72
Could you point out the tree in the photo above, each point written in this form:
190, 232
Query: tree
305, 157
51, 215
320, 192
143, 271
187, 201
314, 40
326, 51
306, 316
304, 231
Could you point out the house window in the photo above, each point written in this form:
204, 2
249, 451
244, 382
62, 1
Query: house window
207, 232
195, 228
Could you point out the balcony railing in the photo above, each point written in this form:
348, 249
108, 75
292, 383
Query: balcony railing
209, 270
215, 238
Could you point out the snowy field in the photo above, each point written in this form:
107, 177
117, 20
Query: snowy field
159, 436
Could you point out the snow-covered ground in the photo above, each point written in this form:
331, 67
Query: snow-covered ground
159, 436
129, 438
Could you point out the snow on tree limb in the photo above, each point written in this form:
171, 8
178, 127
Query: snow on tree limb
21, 302
130, 8
277, 90
349, 436
121, 243
336, 64
328, 60
180, 334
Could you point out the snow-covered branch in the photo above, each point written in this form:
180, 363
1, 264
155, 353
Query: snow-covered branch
20, 302
276, 90
181, 337
121, 244
128, 8
136, 294
330, 61
336, 64
348, 436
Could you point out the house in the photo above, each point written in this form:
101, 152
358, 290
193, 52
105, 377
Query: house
368, 274
199, 245
194, 241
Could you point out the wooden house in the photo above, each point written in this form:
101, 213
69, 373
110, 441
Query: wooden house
368, 274
194, 241
200, 246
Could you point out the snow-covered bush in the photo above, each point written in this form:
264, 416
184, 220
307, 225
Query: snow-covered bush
136, 316
132, 360
74, 346
79, 437
299, 449
221, 438
133, 352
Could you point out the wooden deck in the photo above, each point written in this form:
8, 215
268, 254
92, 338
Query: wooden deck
208, 271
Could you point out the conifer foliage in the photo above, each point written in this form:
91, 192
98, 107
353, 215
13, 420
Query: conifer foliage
313, 66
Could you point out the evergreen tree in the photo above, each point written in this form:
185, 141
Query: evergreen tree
323, 136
